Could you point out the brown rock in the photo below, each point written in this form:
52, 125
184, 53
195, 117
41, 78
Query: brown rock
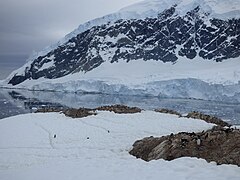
219, 144
120, 109
83, 112
72, 112
207, 118
168, 111
46, 110
79, 113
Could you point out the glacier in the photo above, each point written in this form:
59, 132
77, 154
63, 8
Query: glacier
207, 80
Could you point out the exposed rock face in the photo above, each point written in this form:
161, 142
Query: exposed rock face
221, 145
70, 112
163, 38
196, 115
84, 112
120, 109
79, 113
207, 118
168, 111
46, 110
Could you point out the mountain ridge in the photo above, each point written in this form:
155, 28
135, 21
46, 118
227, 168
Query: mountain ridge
232, 8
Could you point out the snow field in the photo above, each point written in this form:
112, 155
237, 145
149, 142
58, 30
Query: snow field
96, 147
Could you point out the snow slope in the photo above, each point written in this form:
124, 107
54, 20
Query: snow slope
223, 9
84, 149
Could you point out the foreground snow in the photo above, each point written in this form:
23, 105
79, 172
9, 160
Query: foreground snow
96, 147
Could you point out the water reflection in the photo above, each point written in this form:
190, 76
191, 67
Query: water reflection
14, 102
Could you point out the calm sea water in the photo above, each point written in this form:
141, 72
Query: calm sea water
14, 102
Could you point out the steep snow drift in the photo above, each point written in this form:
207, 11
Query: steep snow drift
96, 147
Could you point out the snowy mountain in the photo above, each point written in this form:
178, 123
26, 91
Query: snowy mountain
174, 48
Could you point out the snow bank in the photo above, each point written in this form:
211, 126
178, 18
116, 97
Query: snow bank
84, 149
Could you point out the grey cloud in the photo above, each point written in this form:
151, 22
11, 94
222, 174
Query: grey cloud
29, 25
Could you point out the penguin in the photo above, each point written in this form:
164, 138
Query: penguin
198, 141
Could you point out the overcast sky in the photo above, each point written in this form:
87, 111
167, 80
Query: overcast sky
28, 25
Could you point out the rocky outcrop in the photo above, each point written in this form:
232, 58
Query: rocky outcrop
196, 115
84, 112
48, 110
120, 109
70, 112
207, 118
168, 111
219, 144
79, 113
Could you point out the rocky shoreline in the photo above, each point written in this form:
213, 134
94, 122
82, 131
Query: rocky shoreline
196, 115
84, 112
221, 145
207, 118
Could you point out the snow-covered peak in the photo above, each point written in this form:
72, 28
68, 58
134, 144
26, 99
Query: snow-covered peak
150, 6
223, 9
